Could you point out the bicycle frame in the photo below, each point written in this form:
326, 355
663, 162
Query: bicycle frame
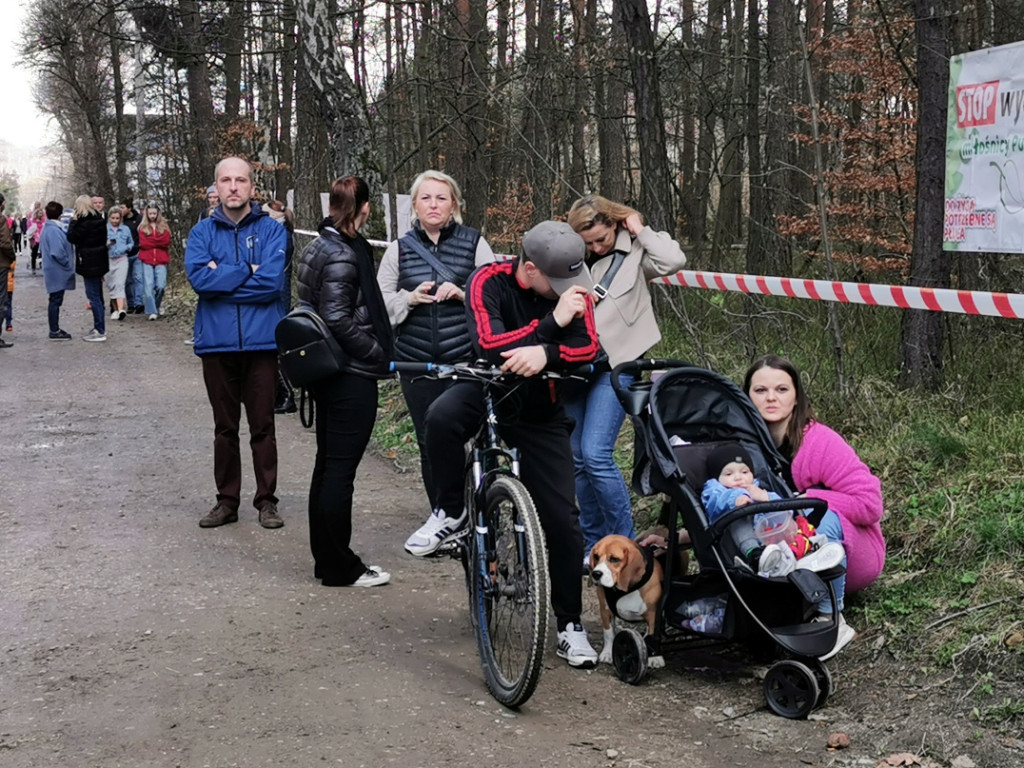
487, 459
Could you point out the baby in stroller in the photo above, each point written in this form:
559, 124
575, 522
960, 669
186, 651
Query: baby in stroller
772, 544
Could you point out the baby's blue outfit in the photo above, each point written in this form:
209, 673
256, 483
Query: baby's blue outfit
717, 500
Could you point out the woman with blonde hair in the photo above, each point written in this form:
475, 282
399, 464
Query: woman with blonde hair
120, 243
154, 256
422, 277
624, 255
87, 231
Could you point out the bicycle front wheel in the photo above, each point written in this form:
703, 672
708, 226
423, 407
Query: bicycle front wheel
509, 592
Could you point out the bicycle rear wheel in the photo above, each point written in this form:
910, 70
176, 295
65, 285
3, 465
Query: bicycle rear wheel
509, 592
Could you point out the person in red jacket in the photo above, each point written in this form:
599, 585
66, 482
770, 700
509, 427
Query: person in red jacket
154, 256
525, 316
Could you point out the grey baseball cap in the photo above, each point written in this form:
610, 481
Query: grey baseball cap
559, 252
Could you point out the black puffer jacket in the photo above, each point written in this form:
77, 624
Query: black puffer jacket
328, 280
89, 236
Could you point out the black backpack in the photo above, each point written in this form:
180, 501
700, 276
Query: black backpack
306, 349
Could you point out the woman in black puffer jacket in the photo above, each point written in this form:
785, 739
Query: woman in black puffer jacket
336, 277
87, 231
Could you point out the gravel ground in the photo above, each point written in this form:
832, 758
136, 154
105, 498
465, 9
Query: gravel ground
131, 637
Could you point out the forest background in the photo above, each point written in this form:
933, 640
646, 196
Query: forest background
770, 137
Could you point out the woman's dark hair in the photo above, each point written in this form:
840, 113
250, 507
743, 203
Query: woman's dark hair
54, 209
803, 413
348, 196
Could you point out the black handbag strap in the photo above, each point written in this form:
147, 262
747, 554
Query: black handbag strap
443, 271
601, 288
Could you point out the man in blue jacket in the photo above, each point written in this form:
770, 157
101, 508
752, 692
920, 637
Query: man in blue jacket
235, 261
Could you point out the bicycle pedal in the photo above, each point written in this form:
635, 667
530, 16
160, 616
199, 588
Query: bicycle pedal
453, 547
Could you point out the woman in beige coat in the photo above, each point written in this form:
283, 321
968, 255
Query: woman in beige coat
626, 256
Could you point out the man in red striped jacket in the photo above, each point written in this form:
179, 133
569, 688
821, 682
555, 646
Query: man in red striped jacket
527, 316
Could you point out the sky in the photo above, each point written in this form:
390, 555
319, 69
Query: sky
20, 124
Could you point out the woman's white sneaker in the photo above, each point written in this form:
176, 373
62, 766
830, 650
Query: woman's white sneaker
372, 577
843, 638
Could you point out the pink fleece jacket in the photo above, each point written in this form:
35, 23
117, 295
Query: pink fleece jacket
827, 468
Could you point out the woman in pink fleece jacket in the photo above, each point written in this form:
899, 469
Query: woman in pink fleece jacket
824, 466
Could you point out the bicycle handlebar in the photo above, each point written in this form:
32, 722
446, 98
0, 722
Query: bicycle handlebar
481, 370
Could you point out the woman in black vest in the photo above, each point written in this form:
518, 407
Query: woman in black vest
422, 277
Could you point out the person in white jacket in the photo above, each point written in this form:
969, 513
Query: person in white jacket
625, 255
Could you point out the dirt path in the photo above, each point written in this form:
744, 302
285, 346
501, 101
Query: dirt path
131, 637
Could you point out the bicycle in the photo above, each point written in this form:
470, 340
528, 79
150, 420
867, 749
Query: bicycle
503, 552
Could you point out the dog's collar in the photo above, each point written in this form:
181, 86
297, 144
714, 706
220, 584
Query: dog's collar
648, 553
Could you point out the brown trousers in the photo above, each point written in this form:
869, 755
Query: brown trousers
233, 379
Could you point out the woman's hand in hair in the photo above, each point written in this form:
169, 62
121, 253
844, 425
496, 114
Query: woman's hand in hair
634, 224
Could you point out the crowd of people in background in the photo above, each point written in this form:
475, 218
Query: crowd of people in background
120, 253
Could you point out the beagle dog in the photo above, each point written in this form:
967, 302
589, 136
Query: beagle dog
628, 580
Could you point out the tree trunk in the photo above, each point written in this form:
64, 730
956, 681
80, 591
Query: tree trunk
689, 205
656, 198
610, 87
581, 85
341, 103
538, 127
231, 42
761, 237
312, 175
141, 174
727, 221
120, 144
200, 101
775, 258
921, 336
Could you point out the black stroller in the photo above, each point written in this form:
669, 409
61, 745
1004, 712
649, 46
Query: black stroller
679, 416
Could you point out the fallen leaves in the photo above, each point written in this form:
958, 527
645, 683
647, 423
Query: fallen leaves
907, 759
838, 741
903, 758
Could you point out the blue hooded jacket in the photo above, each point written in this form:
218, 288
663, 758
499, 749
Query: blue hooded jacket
238, 308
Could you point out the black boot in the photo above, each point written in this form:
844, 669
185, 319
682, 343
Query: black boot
287, 405
284, 396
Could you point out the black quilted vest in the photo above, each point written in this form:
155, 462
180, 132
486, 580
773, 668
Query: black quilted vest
436, 332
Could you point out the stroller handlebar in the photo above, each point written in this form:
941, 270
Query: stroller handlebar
634, 395
720, 525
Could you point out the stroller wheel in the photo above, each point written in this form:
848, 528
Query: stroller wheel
629, 656
791, 689
826, 685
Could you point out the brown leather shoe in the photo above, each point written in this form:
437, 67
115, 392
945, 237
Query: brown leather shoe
269, 517
219, 515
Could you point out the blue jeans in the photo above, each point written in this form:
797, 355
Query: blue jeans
133, 284
600, 488
154, 282
94, 293
53, 310
832, 529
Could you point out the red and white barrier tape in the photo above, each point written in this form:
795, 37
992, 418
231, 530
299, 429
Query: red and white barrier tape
1009, 305
874, 294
